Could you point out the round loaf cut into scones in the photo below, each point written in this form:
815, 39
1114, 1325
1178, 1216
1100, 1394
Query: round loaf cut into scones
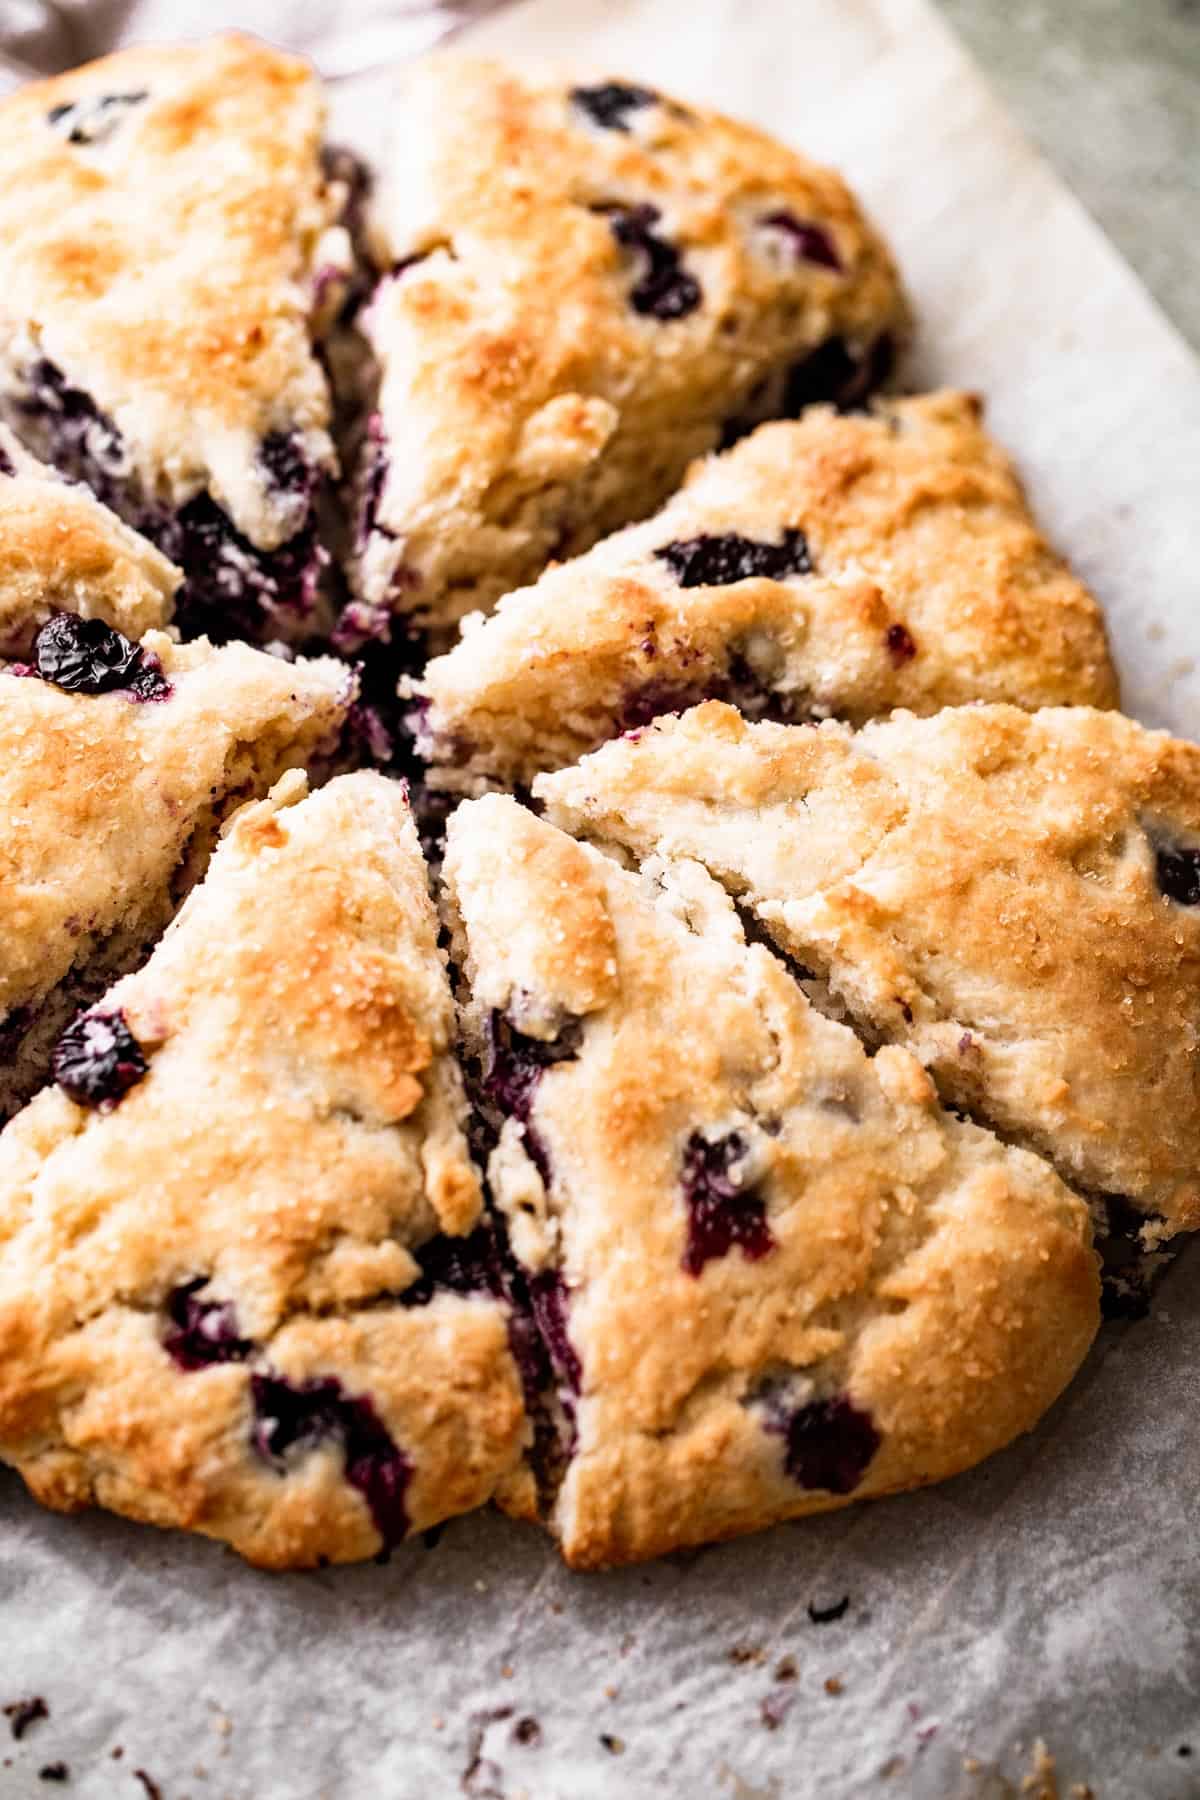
118, 763
836, 566
241, 1282
61, 551
769, 1272
586, 285
171, 243
1013, 896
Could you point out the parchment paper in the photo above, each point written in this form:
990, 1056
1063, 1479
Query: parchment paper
1052, 1593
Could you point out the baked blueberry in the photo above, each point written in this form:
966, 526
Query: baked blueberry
665, 289
86, 656
811, 242
203, 1331
723, 1208
716, 559
610, 103
1177, 871
828, 1444
98, 1059
94, 120
291, 1417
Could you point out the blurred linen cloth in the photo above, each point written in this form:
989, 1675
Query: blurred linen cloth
343, 40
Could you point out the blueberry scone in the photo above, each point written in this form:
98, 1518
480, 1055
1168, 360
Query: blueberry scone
170, 245
1015, 897
769, 1272
835, 566
240, 1282
586, 285
61, 551
118, 762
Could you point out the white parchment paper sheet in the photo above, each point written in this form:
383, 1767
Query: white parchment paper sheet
1054, 1592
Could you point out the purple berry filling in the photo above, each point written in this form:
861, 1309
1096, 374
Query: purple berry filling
610, 103
664, 289
373, 481
516, 1063
288, 1416
737, 686
837, 376
94, 119
455, 1265
86, 656
97, 1060
718, 561
722, 1211
548, 1303
1177, 871
812, 243
829, 1444
204, 1332
901, 645
231, 587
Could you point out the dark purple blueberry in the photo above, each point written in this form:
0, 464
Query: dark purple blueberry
373, 480
812, 243
7, 466
97, 1060
203, 1332
664, 290
836, 376
829, 1444
455, 1265
1177, 871
658, 697
281, 454
516, 1063
79, 439
86, 656
548, 1302
901, 645
722, 1210
290, 1416
94, 119
610, 103
232, 588
716, 561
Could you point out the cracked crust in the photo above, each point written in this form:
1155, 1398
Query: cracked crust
61, 551
980, 886
915, 524
110, 809
526, 407
167, 268
937, 1281
297, 1135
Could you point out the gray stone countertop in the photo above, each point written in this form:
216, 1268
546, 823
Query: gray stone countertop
1110, 90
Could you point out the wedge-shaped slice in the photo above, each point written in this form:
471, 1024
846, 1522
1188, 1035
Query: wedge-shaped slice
237, 1273
61, 551
1014, 896
118, 763
836, 566
168, 236
590, 285
770, 1273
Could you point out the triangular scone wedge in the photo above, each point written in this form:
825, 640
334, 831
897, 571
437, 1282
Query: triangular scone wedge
242, 1299
837, 566
1014, 896
168, 236
590, 284
110, 803
62, 551
770, 1273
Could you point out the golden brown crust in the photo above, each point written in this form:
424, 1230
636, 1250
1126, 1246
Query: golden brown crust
918, 1271
527, 407
930, 586
165, 268
980, 886
109, 809
298, 1134
61, 551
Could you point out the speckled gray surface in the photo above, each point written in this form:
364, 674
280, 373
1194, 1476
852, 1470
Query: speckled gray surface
1110, 90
